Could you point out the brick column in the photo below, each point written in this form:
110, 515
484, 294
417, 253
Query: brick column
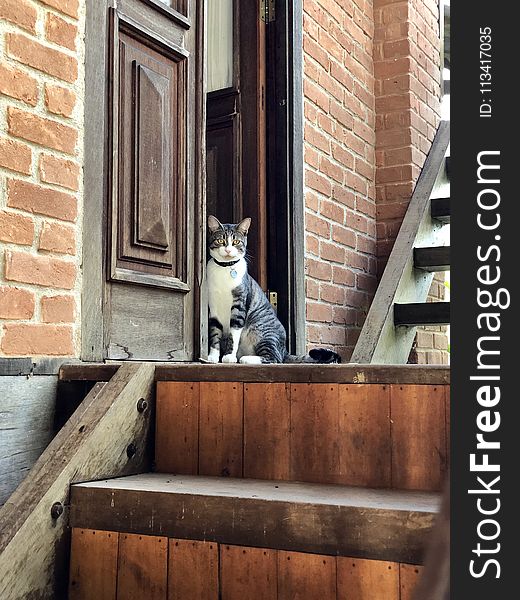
41, 123
407, 89
339, 168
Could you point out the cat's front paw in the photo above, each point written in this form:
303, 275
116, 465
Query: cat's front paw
213, 355
229, 358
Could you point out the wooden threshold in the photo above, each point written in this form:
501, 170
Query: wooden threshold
348, 373
324, 519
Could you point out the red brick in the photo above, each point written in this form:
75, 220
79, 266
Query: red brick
317, 225
67, 7
59, 171
39, 270
318, 269
18, 84
59, 100
36, 55
343, 276
342, 156
312, 244
58, 309
60, 32
16, 303
16, 228
44, 201
317, 95
331, 46
41, 131
55, 237
318, 182
37, 339
332, 170
313, 49
317, 139
19, 12
332, 293
15, 156
341, 115
343, 236
312, 289
333, 211
319, 312
343, 195
332, 252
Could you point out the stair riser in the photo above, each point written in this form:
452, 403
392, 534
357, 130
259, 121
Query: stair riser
103, 564
391, 436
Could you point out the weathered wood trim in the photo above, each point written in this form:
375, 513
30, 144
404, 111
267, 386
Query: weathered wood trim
323, 519
95, 161
380, 342
398, 374
93, 444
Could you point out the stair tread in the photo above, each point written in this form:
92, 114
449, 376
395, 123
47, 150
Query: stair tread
432, 259
277, 491
441, 209
309, 517
422, 313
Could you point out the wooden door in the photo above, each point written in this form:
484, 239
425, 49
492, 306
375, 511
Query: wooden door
155, 94
236, 122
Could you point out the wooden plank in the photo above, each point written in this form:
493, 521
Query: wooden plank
266, 430
379, 341
315, 433
248, 573
419, 437
317, 518
308, 373
26, 426
361, 579
441, 209
408, 579
411, 314
364, 438
221, 429
433, 259
426, 374
306, 576
193, 570
177, 428
142, 568
93, 444
93, 565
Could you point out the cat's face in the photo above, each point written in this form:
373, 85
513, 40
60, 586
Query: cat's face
227, 242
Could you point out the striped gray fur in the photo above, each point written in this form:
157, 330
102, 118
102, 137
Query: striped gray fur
245, 312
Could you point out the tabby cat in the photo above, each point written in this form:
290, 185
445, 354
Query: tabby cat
243, 326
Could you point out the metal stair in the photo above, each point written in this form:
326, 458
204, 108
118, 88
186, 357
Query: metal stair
400, 305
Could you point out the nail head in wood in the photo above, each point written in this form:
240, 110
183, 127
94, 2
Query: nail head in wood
142, 405
56, 510
131, 450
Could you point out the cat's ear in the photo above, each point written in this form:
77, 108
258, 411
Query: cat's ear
213, 224
243, 226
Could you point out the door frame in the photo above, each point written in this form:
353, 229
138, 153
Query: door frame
97, 125
285, 174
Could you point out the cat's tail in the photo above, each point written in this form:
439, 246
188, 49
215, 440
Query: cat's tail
320, 356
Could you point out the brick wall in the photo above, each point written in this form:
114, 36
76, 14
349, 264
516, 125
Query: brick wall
339, 157
407, 90
41, 120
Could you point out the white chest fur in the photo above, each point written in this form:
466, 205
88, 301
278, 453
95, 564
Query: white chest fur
220, 286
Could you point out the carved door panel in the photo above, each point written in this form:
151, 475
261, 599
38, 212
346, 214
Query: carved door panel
153, 99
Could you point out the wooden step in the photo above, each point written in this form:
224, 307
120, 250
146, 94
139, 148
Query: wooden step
441, 209
422, 313
433, 259
323, 519
448, 166
362, 434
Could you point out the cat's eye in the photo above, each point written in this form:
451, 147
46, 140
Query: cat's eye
220, 242
236, 242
